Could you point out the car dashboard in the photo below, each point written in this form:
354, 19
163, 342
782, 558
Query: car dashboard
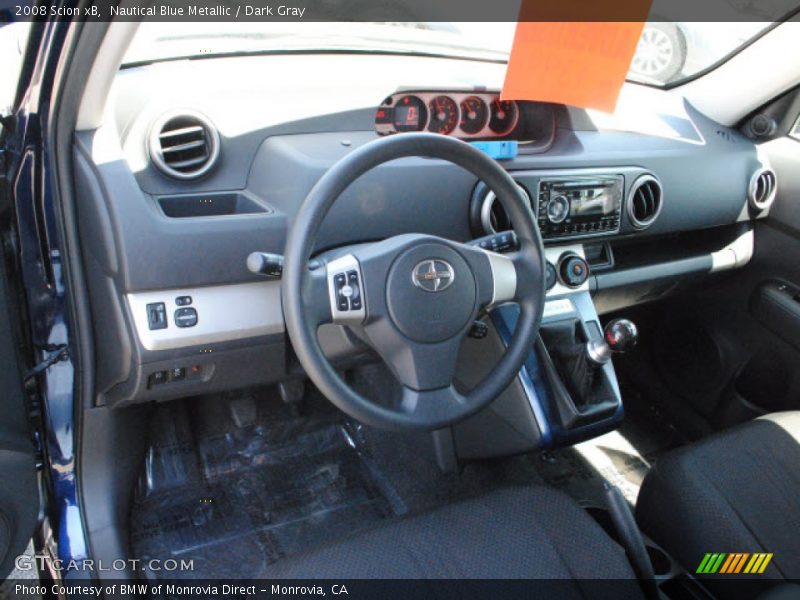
201, 164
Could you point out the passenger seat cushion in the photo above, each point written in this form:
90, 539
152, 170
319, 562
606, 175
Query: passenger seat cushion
737, 491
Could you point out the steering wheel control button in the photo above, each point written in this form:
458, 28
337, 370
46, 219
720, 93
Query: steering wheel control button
345, 289
348, 291
183, 300
186, 317
355, 290
573, 270
156, 316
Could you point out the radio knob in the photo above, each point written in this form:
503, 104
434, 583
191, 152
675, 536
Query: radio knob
557, 209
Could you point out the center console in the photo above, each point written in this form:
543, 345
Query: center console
568, 378
567, 390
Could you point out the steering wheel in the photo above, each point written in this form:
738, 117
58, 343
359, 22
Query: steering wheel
412, 297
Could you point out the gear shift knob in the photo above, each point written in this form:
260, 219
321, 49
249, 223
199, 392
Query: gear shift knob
621, 335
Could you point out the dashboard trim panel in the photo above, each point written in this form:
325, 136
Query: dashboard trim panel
224, 313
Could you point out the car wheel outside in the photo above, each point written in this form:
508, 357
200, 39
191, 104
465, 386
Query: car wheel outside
661, 52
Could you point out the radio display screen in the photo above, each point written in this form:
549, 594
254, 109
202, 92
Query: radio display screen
590, 202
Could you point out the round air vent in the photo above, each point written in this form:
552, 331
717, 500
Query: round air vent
761, 192
493, 215
184, 144
644, 201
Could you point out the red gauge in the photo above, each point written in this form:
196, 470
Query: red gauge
444, 115
503, 116
474, 115
410, 114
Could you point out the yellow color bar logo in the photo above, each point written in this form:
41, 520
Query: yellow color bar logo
734, 563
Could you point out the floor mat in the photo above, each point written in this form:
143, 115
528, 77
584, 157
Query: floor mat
233, 501
236, 484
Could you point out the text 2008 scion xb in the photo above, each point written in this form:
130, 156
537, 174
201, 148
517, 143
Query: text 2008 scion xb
311, 308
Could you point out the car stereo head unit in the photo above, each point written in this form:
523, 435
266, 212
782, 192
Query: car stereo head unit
575, 206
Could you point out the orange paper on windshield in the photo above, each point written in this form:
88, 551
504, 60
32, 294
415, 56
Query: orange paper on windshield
576, 63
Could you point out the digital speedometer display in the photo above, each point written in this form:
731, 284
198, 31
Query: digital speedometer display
410, 114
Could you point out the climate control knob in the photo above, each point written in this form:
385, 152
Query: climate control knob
557, 209
551, 277
573, 270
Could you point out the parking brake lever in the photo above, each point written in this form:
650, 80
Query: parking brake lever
631, 539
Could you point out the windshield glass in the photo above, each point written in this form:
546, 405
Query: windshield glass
667, 52
12, 45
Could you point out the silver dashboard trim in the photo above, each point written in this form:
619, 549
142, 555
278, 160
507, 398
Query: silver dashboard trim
488, 202
557, 308
224, 313
736, 254
772, 190
637, 183
504, 277
552, 254
156, 153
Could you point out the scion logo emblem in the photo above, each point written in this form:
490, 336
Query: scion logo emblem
433, 275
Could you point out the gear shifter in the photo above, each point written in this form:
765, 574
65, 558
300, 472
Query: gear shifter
578, 355
619, 335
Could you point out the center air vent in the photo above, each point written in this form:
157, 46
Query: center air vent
644, 201
184, 144
761, 192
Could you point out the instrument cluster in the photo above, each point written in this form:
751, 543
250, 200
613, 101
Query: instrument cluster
467, 115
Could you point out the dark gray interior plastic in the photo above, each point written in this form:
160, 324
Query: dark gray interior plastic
142, 230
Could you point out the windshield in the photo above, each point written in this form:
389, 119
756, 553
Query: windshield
667, 52
12, 45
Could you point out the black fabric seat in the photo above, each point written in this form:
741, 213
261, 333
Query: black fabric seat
737, 491
513, 533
